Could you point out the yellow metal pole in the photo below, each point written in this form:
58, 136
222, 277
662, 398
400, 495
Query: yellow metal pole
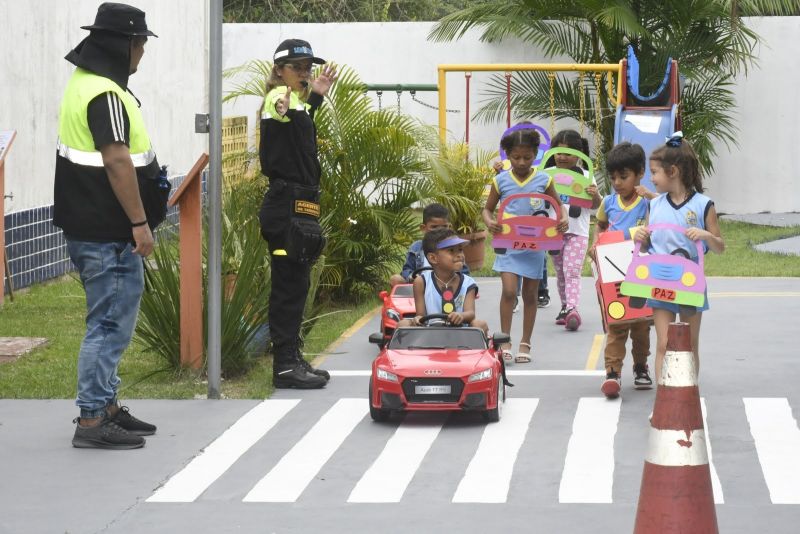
602, 67
442, 104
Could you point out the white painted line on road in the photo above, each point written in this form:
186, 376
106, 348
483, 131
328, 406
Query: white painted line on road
509, 372
189, 483
488, 474
289, 478
777, 440
719, 498
387, 479
588, 475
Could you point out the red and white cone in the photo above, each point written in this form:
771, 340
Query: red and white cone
676, 494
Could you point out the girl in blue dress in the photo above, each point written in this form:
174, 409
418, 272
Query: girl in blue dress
676, 175
521, 146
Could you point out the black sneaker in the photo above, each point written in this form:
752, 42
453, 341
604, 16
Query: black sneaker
133, 425
611, 385
561, 318
319, 372
544, 300
295, 375
105, 435
641, 375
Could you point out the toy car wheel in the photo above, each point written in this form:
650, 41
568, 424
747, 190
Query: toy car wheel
637, 302
376, 413
494, 414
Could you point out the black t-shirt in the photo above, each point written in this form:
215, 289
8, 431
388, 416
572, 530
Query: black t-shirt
108, 121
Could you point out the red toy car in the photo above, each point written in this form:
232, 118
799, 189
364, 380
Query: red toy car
398, 303
435, 368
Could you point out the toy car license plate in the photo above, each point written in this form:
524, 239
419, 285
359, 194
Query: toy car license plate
662, 294
432, 390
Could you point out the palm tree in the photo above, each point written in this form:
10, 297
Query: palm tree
707, 37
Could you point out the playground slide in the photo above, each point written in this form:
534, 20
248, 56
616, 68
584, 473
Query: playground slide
646, 127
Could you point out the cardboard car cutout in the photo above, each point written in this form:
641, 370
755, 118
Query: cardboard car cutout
613, 255
568, 183
670, 277
527, 232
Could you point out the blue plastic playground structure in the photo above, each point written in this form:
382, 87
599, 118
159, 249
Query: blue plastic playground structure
647, 120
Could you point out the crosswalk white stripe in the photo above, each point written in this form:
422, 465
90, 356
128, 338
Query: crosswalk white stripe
716, 486
588, 475
214, 460
777, 440
287, 480
387, 479
488, 474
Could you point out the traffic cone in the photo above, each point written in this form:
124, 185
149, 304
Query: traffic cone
676, 494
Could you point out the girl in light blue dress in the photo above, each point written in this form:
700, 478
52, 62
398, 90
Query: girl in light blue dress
521, 146
676, 175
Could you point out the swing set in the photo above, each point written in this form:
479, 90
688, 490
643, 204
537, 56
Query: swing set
593, 72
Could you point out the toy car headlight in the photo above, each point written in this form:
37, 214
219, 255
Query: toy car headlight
383, 374
480, 375
393, 314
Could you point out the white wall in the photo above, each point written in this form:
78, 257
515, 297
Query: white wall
386, 53
759, 174
400, 53
171, 83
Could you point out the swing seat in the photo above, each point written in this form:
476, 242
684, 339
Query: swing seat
661, 95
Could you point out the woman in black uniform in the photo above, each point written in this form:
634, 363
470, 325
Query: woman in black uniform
290, 211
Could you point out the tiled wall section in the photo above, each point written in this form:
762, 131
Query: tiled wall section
36, 249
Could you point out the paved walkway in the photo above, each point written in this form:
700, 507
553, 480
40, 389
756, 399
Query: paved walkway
562, 458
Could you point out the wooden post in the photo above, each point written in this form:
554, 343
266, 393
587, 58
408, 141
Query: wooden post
189, 200
6, 139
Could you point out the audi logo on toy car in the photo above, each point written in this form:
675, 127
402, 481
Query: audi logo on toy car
432, 372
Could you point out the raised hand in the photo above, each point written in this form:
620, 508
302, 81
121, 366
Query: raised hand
322, 83
282, 104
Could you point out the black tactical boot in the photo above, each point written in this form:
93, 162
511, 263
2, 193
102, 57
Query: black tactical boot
308, 367
288, 372
295, 375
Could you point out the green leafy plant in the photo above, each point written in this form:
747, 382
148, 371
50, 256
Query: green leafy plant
458, 182
246, 299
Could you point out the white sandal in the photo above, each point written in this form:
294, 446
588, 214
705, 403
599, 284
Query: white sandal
523, 357
508, 356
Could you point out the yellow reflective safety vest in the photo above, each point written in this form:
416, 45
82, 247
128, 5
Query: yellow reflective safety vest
84, 204
74, 137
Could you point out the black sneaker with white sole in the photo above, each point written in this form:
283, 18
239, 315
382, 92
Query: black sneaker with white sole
105, 435
641, 377
544, 300
130, 423
295, 375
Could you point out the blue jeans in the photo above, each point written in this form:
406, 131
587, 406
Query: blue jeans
113, 279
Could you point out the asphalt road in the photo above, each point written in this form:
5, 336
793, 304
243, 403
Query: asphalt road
563, 459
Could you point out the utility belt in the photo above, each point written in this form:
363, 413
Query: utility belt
299, 235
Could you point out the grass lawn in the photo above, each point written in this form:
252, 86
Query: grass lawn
55, 310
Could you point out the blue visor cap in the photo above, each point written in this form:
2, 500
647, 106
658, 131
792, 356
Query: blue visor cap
451, 242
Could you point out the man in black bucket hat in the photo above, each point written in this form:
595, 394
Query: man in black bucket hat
108, 197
